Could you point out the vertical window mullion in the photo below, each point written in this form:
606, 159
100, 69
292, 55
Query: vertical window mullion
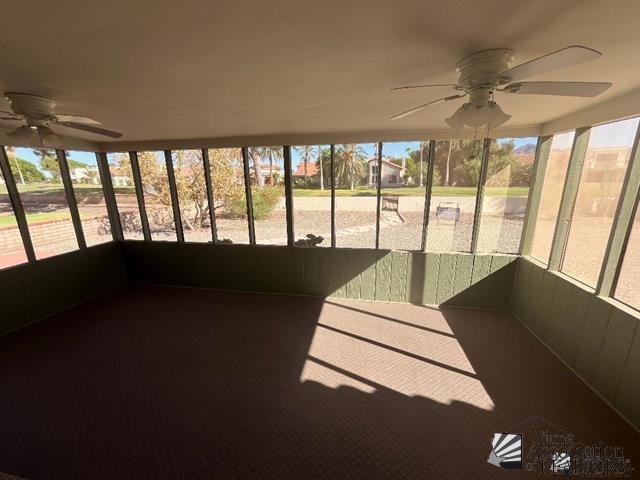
137, 180
210, 198
248, 196
427, 192
16, 203
71, 198
378, 195
173, 190
288, 194
333, 195
109, 196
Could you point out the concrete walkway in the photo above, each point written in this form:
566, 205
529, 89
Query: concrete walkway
492, 205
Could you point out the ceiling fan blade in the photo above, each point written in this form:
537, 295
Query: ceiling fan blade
9, 115
408, 87
566, 89
11, 118
552, 61
92, 129
417, 109
76, 119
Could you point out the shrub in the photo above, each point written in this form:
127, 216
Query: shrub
265, 201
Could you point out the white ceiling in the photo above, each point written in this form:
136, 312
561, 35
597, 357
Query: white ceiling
175, 70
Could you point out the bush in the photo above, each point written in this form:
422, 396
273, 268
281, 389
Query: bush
265, 201
235, 206
310, 182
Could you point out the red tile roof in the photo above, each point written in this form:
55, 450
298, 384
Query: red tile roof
312, 169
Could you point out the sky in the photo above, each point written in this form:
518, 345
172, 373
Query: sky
85, 157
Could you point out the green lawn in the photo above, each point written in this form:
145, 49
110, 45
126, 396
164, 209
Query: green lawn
9, 220
81, 189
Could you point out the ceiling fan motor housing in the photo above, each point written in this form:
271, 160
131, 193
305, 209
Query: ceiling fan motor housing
481, 70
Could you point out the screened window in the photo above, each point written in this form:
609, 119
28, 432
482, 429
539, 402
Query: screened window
157, 196
356, 195
37, 175
266, 169
192, 195
311, 181
11, 247
404, 174
453, 199
554, 177
227, 179
125, 192
505, 194
627, 289
87, 186
597, 199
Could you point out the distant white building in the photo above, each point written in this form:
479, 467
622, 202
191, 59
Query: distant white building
391, 174
85, 175
117, 179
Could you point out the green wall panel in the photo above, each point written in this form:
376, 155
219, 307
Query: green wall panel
37, 290
368, 275
573, 323
446, 277
464, 273
628, 395
383, 278
591, 337
399, 273
614, 352
396, 276
431, 273
557, 313
597, 337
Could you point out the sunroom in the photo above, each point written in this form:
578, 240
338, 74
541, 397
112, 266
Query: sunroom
319, 240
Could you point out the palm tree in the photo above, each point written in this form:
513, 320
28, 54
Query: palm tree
422, 145
273, 153
349, 164
256, 154
320, 155
448, 165
305, 153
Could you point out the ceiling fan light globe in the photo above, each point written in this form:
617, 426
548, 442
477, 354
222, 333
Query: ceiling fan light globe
497, 117
23, 135
48, 137
477, 115
456, 121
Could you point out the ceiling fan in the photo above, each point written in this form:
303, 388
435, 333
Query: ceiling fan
38, 114
486, 72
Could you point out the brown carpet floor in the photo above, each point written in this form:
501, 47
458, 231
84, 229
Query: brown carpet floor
152, 382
